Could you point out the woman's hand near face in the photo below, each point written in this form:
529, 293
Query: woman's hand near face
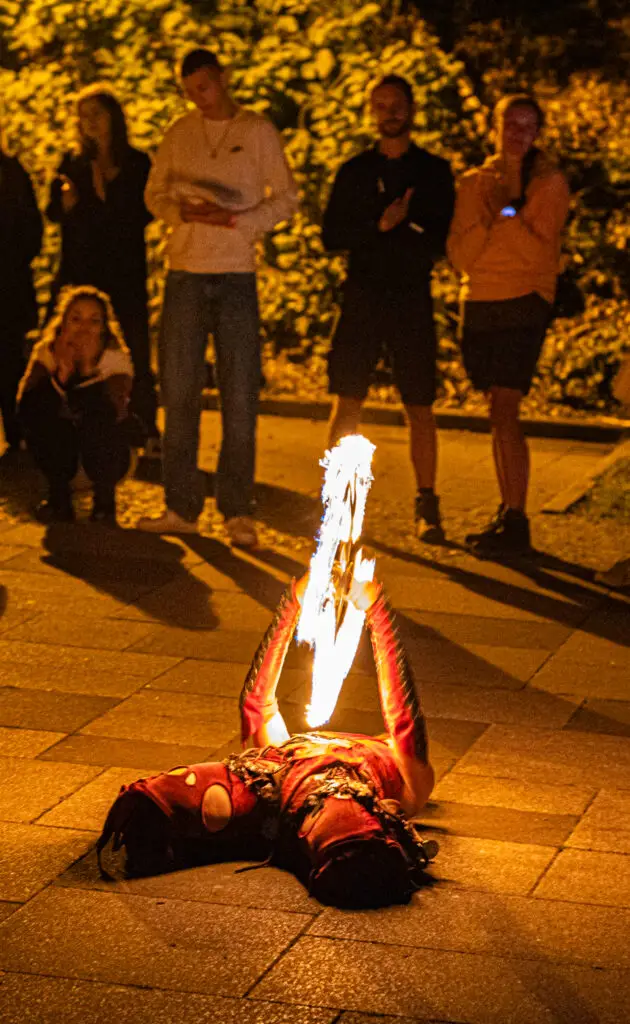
69, 194
66, 357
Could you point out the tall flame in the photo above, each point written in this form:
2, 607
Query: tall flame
335, 638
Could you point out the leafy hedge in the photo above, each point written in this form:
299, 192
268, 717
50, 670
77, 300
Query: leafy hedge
308, 64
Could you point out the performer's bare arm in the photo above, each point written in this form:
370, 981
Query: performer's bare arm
401, 709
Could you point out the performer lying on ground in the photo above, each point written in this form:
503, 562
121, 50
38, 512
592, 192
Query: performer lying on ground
333, 808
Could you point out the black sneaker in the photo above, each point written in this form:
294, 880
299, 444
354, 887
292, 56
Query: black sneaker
428, 521
510, 538
51, 511
492, 527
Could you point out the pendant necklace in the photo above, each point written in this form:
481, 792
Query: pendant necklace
214, 148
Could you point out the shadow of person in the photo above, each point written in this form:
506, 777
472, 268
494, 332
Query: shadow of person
240, 567
574, 606
133, 567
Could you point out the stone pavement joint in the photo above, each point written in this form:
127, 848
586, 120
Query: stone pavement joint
123, 654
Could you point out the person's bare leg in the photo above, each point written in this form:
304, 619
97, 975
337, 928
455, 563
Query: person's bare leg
423, 444
510, 448
344, 419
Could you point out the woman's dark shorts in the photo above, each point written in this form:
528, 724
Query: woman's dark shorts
501, 341
374, 322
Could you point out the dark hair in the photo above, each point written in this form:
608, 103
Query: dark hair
198, 59
112, 336
120, 139
397, 82
519, 99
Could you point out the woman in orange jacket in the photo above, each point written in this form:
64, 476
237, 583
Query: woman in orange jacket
505, 241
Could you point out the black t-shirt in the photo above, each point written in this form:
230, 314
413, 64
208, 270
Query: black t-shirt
401, 258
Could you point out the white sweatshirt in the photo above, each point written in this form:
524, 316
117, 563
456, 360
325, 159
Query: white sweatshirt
237, 163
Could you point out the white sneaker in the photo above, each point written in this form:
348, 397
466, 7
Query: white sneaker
617, 576
168, 522
242, 532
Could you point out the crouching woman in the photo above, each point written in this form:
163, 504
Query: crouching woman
73, 404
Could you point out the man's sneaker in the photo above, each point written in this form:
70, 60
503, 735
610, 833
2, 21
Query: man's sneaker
428, 521
617, 576
168, 522
509, 537
242, 532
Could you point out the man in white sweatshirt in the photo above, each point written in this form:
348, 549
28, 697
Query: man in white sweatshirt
220, 180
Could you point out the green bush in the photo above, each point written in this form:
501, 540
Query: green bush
309, 64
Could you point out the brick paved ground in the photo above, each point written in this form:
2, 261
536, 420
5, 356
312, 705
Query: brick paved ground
123, 654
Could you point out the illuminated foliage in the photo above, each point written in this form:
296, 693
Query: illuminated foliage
309, 64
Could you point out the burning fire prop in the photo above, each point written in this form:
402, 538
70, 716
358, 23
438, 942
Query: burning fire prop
329, 622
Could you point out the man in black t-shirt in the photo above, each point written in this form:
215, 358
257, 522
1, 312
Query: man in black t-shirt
390, 208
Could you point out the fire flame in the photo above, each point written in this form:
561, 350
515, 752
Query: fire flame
329, 622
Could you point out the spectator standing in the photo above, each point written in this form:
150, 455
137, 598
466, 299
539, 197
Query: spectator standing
73, 403
505, 241
390, 208
98, 199
220, 181
20, 242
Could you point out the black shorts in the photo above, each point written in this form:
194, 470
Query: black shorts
374, 322
501, 341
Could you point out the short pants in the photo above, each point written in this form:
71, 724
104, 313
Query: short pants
501, 341
376, 322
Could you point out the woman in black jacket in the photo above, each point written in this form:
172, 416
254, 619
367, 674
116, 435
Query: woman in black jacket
97, 197
20, 241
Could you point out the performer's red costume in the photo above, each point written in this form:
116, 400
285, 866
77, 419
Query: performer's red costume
325, 805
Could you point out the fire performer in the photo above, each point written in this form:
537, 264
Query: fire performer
334, 808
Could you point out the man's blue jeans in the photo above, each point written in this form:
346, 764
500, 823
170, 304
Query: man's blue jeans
226, 306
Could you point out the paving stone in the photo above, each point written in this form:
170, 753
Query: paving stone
369, 1018
16, 742
28, 788
556, 757
570, 675
582, 876
538, 797
6, 909
524, 707
125, 753
476, 629
218, 645
606, 825
9, 551
101, 633
76, 670
268, 888
611, 717
134, 573
490, 865
87, 807
169, 944
30, 857
192, 605
450, 738
219, 678
41, 709
444, 986
38, 1000
499, 823
589, 648
134, 724
11, 614
473, 594
497, 924
43, 593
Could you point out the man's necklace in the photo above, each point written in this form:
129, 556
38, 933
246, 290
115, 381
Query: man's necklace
215, 147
